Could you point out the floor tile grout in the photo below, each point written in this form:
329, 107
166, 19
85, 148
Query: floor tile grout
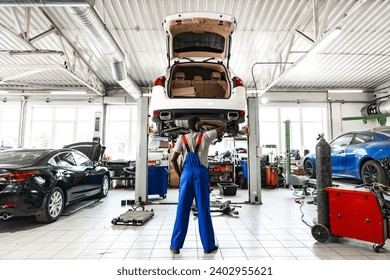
273, 230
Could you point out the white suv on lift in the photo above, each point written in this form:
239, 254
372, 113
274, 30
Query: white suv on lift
197, 81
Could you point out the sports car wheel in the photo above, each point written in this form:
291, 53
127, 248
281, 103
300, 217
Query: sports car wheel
105, 187
54, 206
373, 172
309, 170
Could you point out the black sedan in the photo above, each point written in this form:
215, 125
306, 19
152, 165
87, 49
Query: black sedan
42, 182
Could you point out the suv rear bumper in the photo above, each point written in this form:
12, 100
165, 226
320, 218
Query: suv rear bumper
203, 114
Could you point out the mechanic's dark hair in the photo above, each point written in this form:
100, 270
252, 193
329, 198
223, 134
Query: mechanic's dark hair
192, 122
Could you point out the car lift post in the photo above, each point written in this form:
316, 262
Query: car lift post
22, 116
291, 179
141, 168
287, 124
254, 151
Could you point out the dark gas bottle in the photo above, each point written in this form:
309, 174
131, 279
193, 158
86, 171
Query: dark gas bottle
324, 179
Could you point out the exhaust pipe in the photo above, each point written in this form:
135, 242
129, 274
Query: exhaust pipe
232, 116
6, 216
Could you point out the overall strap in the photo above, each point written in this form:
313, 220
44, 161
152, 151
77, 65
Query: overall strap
198, 142
183, 137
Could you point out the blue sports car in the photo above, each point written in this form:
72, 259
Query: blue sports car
363, 155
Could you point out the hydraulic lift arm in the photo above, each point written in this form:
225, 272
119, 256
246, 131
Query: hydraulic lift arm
380, 117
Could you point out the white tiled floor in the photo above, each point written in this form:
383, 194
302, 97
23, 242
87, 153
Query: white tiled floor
271, 231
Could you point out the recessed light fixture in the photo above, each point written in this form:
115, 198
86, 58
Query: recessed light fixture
345, 91
70, 92
326, 41
263, 100
36, 53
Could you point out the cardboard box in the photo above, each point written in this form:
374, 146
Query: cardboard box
164, 144
185, 91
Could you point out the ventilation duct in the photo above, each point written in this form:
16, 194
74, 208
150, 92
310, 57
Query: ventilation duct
47, 3
88, 17
382, 107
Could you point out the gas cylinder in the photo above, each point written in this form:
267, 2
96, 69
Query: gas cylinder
324, 180
271, 174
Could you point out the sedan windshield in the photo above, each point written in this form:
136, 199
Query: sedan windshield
21, 157
199, 42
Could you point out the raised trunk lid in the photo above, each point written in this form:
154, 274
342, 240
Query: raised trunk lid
199, 35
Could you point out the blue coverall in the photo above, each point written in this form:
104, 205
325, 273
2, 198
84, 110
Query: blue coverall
194, 183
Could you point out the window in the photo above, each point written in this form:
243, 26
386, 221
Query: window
361, 138
269, 126
305, 125
121, 132
66, 159
82, 160
9, 126
54, 127
19, 158
342, 141
195, 42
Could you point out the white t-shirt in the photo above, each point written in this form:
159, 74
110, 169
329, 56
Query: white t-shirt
192, 138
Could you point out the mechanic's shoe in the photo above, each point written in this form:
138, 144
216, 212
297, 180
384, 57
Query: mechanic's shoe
175, 251
212, 250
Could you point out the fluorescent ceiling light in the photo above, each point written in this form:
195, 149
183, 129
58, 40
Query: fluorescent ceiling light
345, 91
70, 92
36, 53
326, 41
3, 91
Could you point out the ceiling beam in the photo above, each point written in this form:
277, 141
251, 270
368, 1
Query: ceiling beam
346, 16
42, 35
91, 80
85, 67
24, 74
29, 66
385, 85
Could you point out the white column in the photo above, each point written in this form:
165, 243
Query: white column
254, 152
141, 172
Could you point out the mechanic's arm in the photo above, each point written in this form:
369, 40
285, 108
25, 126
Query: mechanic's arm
219, 127
175, 164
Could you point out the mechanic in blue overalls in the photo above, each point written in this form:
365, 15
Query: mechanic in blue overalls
194, 183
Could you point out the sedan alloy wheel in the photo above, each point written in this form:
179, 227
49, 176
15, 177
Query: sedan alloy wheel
53, 207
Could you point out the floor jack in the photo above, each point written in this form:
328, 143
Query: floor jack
360, 212
219, 207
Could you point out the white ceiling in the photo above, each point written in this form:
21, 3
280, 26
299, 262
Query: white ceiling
271, 44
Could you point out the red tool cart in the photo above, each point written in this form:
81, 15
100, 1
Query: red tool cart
360, 213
